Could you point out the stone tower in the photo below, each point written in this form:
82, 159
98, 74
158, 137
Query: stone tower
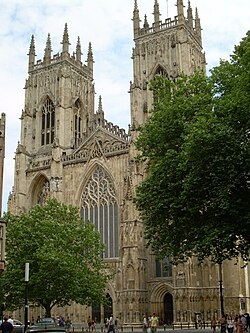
68, 150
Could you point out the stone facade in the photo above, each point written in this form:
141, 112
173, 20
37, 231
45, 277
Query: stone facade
71, 152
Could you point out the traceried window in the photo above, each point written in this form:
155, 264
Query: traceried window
163, 267
77, 121
48, 123
99, 205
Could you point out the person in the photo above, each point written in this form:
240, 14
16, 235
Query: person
213, 325
230, 324
6, 326
144, 324
244, 323
61, 322
154, 323
111, 324
239, 325
10, 320
223, 324
89, 321
67, 324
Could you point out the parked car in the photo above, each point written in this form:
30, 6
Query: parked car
36, 329
18, 326
43, 323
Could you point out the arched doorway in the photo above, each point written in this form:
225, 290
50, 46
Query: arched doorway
108, 307
168, 309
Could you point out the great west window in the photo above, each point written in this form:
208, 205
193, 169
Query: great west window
99, 205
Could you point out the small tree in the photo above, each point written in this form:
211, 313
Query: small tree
64, 253
195, 198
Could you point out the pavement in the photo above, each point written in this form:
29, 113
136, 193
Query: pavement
78, 328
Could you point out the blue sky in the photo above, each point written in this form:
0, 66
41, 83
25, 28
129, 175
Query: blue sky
107, 24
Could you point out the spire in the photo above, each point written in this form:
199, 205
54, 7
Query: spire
145, 24
65, 43
197, 24
190, 15
156, 16
180, 11
78, 50
48, 50
32, 53
90, 59
100, 112
136, 20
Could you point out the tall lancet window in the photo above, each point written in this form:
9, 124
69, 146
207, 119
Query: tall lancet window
77, 121
48, 123
99, 205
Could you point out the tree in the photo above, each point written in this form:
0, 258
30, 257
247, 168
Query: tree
195, 197
64, 255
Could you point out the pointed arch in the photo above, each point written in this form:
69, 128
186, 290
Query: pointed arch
99, 204
40, 189
77, 120
160, 70
47, 121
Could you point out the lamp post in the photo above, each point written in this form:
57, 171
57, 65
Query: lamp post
26, 306
221, 290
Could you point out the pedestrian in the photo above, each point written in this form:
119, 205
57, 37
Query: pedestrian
239, 325
6, 326
230, 324
154, 323
10, 320
213, 325
68, 324
144, 324
89, 322
223, 324
111, 325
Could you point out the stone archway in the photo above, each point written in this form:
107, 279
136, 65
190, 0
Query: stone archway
168, 309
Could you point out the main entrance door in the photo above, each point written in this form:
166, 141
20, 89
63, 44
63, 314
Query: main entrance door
168, 309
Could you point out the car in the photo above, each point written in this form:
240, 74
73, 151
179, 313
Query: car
37, 329
18, 326
43, 323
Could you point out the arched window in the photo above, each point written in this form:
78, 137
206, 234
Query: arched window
99, 205
48, 123
77, 121
163, 267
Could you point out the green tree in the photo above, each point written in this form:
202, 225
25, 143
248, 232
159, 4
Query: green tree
195, 197
64, 255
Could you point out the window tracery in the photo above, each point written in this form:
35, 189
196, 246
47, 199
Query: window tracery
164, 267
77, 121
48, 123
99, 205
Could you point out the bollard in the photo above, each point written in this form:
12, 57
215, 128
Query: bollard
121, 328
173, 326
132, 329
164, 327
101, 328
188, 325
82, 329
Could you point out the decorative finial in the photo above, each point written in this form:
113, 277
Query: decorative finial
78, 50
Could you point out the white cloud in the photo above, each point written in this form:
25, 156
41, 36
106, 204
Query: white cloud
107, 24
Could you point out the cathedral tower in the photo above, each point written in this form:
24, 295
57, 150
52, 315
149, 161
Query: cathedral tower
169, 47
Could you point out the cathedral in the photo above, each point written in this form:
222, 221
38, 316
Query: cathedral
68, 150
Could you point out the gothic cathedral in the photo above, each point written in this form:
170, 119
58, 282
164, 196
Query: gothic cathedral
68, 150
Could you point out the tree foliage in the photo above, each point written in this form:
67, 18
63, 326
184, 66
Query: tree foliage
64, 255
195, 197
